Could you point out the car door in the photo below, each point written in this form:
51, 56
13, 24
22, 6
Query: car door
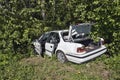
51, 43
43, 39
40, 43
37, 46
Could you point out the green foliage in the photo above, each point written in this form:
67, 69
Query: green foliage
19, 27
15, 71
37, 68
21, 21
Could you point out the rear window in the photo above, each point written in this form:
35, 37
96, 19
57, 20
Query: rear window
65, 35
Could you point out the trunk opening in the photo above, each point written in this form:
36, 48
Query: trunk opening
89, 44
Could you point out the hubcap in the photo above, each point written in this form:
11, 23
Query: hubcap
61, 57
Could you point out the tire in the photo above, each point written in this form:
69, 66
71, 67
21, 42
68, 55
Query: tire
61, 57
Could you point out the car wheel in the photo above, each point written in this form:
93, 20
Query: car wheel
61, 57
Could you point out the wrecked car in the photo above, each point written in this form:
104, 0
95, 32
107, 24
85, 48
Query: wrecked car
73, 45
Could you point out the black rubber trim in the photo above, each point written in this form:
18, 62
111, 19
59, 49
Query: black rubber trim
86, 53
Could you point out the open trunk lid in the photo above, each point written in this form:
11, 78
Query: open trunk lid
78, 31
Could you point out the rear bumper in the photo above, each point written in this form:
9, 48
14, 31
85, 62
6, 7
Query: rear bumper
80, 58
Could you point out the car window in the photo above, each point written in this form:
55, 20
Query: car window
53, 38
65, 35
44, 37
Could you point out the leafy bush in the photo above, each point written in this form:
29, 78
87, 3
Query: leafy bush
21, 21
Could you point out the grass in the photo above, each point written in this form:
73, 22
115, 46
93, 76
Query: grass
38, 68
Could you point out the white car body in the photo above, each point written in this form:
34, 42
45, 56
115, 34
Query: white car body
69, 47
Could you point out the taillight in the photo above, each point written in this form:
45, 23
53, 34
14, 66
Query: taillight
80, 49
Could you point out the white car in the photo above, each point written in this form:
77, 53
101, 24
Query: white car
73, 45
